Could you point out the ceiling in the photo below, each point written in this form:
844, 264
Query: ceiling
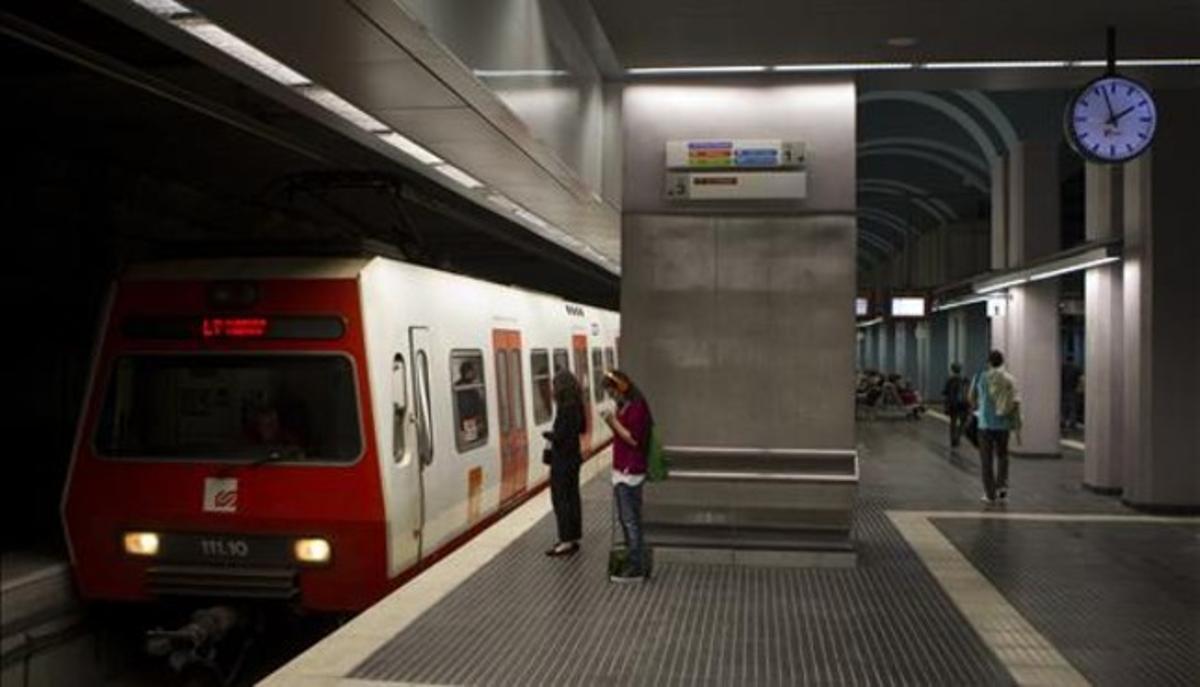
167, 156
716, 32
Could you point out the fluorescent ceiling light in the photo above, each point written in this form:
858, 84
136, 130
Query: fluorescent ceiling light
1180, 62
1000, 286
458, 176
1012, 64
950, 305
163, 8
410, 148
1073, 260
1038, 276
846, 67
697, 70
870, 323
503, 73
334, 103
241, 51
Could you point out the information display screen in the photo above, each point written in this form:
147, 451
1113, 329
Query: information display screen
908, 306
860, 307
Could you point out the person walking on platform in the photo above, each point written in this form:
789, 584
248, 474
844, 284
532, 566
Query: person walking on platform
954, 399
565, 458
998, 410
631, 433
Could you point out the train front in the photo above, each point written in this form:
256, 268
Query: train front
225, 448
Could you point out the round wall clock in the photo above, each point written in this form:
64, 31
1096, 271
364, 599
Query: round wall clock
1111, 119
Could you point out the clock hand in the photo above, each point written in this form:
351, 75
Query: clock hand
1122, 113
1111, 118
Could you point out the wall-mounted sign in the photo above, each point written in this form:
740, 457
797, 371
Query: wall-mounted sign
734, 154
908, 306
861, 306
736, 185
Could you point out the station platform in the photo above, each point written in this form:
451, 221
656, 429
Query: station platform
1059, 587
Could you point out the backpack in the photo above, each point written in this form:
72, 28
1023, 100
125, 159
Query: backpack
1003, 392
658, 467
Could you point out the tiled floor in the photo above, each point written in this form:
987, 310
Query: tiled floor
899, 618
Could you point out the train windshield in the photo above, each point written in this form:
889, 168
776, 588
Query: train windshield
231, 407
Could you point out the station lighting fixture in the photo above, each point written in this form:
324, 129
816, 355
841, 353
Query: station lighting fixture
999, 64
242, 51
733, 69
869, 323
315, 550
961, 302
1074, 260
339, 106
848, 67
458, 176
900, 66
410, 148
517, 73
141, 543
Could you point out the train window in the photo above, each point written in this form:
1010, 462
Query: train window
516, 407
598, 374
503, 397
562, 360
399, 408
292, 408
539, 371
424, 416
470, 400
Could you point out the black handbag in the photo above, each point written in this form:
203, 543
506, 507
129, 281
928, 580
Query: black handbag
971, 429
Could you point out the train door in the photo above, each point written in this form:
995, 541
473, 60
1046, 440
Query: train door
583, 374
418, 431
510, 396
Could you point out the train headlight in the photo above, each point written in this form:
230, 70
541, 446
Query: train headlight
313, 550
141, 543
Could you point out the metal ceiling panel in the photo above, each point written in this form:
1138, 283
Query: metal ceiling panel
372, 53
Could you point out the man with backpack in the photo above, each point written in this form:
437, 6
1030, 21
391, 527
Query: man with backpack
997, 407
954, 400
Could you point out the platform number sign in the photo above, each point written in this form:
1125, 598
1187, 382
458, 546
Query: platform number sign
1112, 119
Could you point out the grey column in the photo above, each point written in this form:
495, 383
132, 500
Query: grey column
1030, 328
1103, 378
1161, 325
900, 338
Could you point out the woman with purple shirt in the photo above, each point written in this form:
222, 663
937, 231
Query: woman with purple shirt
631, 429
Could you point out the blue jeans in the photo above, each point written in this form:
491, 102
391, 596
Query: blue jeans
629, 510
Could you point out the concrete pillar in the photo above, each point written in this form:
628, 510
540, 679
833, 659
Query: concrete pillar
922, 374
884, 351
1161, 319
1103, 378
939, 352
900, 350
1028, 332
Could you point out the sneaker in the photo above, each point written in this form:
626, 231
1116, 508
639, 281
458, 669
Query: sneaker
1002, 493
627, 576
987, 499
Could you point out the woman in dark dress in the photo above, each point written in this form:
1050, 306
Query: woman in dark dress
565, 458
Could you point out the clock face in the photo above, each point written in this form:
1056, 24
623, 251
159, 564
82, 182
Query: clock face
1112, 119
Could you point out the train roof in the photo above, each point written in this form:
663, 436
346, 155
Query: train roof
248, 268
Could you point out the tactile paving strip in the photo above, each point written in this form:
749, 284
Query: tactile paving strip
1120, 601
528, 619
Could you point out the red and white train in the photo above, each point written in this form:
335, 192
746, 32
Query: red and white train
314, 430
